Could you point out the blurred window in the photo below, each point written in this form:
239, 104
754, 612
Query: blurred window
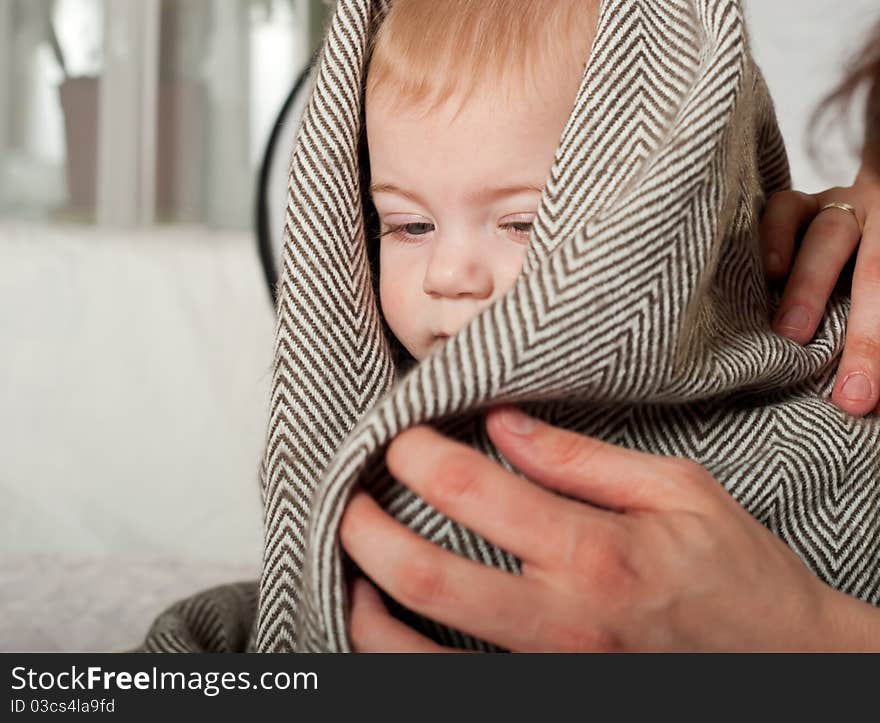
132, 112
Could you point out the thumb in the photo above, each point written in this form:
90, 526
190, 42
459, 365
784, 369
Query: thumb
587, 468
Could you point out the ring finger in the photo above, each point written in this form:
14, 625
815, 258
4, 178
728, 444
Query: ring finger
827, 246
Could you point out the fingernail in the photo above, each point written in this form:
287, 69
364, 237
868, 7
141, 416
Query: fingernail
856, 388
774, 261
795, 320
517, 422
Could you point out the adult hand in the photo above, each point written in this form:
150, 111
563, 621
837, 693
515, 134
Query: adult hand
831, 237
657, 555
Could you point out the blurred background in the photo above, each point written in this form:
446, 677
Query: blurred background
138, 113
136, 328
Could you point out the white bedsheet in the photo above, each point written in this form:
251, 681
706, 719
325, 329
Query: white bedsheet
134, 380
95, 605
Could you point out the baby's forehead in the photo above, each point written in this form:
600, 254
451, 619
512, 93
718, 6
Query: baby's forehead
483, 119
513, 93
450, 157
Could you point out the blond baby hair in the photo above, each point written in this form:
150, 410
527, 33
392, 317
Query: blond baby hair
427, 50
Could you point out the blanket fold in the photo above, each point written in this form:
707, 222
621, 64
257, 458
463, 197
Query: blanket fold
641, 317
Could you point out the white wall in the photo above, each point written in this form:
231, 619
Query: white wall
801, 46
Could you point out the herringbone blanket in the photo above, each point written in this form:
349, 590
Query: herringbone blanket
641, 317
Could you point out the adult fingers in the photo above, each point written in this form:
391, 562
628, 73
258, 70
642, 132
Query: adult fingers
857, 387
532, 523
785, 214
479, 600
374, 630
827, 246
595, 471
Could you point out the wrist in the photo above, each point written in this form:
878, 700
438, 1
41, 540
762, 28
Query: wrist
846, 624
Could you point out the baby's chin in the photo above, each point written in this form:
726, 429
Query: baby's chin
420, 351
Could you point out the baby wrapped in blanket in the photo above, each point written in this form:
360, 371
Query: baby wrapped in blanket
552, 204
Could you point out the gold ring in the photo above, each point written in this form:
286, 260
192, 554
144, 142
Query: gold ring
846, 207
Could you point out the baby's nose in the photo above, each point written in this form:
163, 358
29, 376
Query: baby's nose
456, 270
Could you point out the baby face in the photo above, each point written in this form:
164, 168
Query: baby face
456, 196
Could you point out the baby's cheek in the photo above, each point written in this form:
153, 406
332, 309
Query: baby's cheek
396, 294
511, 266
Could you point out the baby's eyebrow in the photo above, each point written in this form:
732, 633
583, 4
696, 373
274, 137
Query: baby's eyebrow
486, 194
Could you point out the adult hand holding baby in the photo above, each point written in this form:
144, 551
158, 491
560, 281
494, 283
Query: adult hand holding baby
643, 554
834, 223
832, 233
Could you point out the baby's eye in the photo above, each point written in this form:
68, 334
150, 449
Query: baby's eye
417, 229
522, 229
409, 230
521, 226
